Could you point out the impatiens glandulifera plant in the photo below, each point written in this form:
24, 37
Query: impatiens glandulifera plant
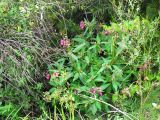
82, 25
102, 66
64, 42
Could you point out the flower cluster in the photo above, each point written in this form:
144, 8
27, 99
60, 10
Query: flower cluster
75, 91
82, 25
65, 42
144, 66
55, 74
95, 90
106, 32
47, 76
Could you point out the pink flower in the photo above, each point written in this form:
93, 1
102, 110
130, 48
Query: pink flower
100, 93
93, 90
48, 76
82, 25
106, 32
75, 91
64, 42
56, 74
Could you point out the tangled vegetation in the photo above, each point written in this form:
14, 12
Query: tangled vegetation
79, 59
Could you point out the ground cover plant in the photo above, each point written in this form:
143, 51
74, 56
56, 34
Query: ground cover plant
73, 60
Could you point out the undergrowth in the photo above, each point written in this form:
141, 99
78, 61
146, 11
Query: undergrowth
94, 59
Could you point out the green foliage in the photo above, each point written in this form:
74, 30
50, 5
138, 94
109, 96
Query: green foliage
108, 63
113, 61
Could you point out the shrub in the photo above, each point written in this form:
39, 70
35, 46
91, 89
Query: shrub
93, 65
105, 65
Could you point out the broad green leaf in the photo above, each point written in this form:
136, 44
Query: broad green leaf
52, 83
98, 39
115, 85
102, 69
76, 76
81, 40
98, 105
92, 47
99, 79
69, 75
133, 89
87, 59
79, 47
84, 88
93, 109
74, 57
103, 87
52, 90
115, 97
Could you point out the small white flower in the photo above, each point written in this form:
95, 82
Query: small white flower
22, 10
154, 105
